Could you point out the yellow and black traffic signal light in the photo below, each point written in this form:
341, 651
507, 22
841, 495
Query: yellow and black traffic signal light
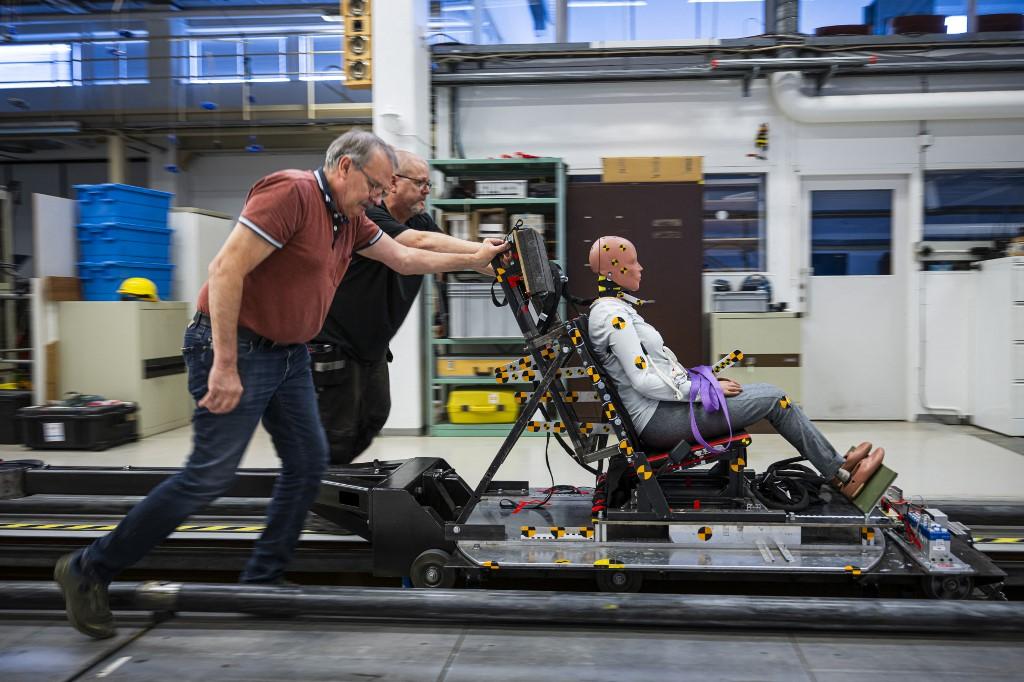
358, 34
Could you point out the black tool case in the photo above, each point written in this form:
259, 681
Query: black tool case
90, 427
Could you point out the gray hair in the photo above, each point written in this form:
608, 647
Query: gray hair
358, 145
406, 159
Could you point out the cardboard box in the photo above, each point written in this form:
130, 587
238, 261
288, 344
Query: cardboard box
489, 222
653, 169
458, 225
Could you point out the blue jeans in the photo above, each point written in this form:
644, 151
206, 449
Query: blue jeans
277, 388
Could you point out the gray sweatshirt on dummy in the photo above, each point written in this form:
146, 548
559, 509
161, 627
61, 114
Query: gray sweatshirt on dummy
634, 355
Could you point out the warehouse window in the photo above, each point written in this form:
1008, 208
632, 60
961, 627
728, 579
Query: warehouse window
38, 66
320, 58
734, 223
115, 62
851, 232
234, 60
972, 205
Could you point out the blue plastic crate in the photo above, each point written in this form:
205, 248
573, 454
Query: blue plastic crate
112, 202
101, 280
119, 242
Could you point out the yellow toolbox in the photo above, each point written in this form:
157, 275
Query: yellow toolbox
455, 366
482, 406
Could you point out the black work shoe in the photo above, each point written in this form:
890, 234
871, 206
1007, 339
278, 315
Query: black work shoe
87, 602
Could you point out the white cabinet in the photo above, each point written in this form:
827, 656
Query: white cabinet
197, 237
128, 350
771, 348
998, 356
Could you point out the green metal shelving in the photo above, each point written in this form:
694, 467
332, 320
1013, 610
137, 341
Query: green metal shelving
436, 388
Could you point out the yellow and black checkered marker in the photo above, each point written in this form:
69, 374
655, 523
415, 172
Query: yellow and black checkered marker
605, 247
622, 247
784, 403
1000, 541
588, 428
594, 375
521, 396
625, 447
728, 361
615, 261
623, 270
501, 376
557, 532
562, 561
738, 465
643, 472
618, 323
867, 535
525, 362
745, 440
547, 427
852, 570
527, 531
548, 353
576, 337
500, 274
609, 411
493, 565
704, 533
640, 362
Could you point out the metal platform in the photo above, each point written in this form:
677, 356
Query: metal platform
562, 535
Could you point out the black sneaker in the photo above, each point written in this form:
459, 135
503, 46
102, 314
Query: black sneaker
87, 602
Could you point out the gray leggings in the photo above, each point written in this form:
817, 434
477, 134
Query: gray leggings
671, 424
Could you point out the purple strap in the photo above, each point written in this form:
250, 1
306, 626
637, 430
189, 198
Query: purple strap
704, 384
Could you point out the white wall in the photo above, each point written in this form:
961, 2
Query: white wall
584, 122
220, 182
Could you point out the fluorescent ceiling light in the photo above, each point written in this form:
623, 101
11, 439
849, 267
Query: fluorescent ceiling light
246, 30
956, 23
607, 3
40, 128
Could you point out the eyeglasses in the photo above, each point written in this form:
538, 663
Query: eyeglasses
375, 187
420, 184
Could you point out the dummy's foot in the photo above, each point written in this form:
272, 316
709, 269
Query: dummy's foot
853, 457
862, 473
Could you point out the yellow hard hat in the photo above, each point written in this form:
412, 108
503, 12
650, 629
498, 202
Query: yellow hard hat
138, 289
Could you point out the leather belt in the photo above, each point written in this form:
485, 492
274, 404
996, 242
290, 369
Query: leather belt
246, 335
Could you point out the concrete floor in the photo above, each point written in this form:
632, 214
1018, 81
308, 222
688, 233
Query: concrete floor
933, 460
210, 647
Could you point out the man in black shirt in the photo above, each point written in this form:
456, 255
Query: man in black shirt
368, 308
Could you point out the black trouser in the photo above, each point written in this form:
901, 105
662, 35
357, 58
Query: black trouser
354, 400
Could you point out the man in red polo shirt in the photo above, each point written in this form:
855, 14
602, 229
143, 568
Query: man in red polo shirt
268, 292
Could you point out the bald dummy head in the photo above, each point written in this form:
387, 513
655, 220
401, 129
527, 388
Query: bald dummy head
616, 259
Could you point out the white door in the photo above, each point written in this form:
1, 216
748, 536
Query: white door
854, 330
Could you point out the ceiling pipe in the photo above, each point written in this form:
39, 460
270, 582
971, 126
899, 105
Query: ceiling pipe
786, 89
730, 69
